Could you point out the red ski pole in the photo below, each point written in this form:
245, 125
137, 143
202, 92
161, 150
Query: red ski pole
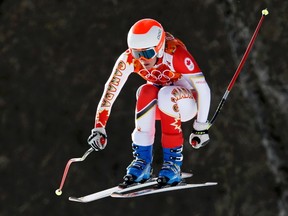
58, 192
240, 66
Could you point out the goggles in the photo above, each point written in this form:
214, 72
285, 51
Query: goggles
146, 54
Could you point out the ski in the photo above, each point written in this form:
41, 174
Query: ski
106, 193
156, 189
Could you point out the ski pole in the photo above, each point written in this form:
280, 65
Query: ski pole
240, 66
58, 192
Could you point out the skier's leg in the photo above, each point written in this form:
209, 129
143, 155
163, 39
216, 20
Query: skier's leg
170, 172
140, 168
145, 115
143, 134
176, 104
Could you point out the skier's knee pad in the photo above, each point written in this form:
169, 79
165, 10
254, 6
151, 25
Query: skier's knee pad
145, 95
174, 100
147, 90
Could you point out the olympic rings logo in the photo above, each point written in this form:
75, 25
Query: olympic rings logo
156, 76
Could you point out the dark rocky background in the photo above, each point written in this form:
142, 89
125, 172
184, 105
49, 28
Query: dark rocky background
55, 57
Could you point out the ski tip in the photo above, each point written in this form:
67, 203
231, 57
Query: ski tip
186, 175
76, 199
211, 183
116, 195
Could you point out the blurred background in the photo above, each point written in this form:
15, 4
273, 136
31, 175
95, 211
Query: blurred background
55, 57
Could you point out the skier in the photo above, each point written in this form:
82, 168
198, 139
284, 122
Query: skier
176, 91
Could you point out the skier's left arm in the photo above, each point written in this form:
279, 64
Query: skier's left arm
199, 136
191, 72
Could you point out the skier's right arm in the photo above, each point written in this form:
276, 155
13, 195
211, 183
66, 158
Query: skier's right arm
120, 73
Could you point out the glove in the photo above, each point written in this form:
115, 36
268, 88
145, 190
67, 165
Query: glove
199, 136
98, 139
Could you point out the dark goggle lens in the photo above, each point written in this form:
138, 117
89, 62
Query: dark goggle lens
147, 54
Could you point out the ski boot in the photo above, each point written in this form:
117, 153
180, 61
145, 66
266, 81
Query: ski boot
140, 168
170, 172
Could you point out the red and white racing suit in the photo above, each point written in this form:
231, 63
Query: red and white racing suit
176, 91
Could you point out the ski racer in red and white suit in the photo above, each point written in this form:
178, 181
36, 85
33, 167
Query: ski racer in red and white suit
176, 91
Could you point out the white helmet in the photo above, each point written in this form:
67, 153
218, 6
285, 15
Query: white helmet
146, 39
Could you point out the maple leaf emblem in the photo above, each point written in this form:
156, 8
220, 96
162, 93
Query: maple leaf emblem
177, 124
129, 57
101, 118
189, 64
